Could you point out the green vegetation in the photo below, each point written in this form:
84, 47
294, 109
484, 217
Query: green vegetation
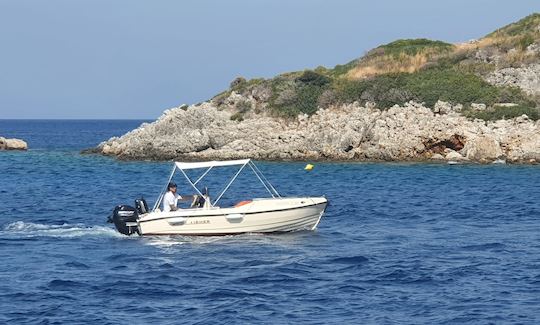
305, 92
415, 46
525, 41
518, 35
428, 86
409, 69
299, 95
243, 85
502, 112
525, 25
237, 117
342, 69
242, 108
450, 86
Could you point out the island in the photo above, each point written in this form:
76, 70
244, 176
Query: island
409, 100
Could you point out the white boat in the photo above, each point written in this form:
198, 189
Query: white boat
258, 215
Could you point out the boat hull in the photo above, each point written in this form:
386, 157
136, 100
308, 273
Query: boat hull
258, 216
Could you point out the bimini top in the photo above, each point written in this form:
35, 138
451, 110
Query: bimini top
207, 164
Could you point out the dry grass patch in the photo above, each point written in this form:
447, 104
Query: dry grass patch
400, 56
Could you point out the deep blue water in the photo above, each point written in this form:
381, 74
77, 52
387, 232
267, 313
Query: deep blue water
400, 243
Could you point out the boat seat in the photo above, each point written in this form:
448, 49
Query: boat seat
198, 201
241, 203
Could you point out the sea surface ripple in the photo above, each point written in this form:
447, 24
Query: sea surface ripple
400, 243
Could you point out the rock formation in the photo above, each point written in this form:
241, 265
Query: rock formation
347, 132
526, 78
12, 144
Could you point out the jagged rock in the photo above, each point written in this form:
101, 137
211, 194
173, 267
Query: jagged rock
522, 119
527, 78
346, 132
483, 147
478, 107
262, 93
453, 155
533, 49
488, 55
437, 156
12, 144
446, 108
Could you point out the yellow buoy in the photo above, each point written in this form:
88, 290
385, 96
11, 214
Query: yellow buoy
308, 167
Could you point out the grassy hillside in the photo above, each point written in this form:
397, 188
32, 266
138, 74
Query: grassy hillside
411, 69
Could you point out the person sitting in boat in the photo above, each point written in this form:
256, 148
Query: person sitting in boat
170, 200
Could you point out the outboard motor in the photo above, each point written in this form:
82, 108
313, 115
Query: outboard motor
141, 205
125, 219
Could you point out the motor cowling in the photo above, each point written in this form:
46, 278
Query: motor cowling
125, 219
141, 206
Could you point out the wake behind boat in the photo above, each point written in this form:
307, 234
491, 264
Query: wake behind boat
206, 217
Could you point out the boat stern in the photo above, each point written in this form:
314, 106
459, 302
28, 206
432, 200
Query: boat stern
125, 217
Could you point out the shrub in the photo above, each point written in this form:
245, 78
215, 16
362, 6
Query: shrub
243, 106
301, 95
449, 85
525, 41
342, 69
220, 98
237, 82
429, 86
237, 117
313, 78
500, 113
520, 27
304, 100
241, 85
415, 46
385, 90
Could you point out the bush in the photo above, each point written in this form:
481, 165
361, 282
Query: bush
415, 46
428, 86
501, 113
243, 106
301, 95
313, 78
241, 85
385, 90
525, 41
237, 117
237, 82
450, 85
342, 69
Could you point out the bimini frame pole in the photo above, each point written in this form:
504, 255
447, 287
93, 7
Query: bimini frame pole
228, 185
262, 182
191, 183
267, 181
202, 176
158, 202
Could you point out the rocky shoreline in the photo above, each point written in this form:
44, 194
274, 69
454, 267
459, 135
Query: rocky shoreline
12, 144
351, 132
345, 113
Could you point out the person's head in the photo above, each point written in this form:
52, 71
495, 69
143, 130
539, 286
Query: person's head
172, 187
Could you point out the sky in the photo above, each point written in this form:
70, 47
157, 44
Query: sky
132, 59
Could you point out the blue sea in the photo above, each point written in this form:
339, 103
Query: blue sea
399, 244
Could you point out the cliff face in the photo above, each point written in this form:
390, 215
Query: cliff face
479, 102
348, 132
